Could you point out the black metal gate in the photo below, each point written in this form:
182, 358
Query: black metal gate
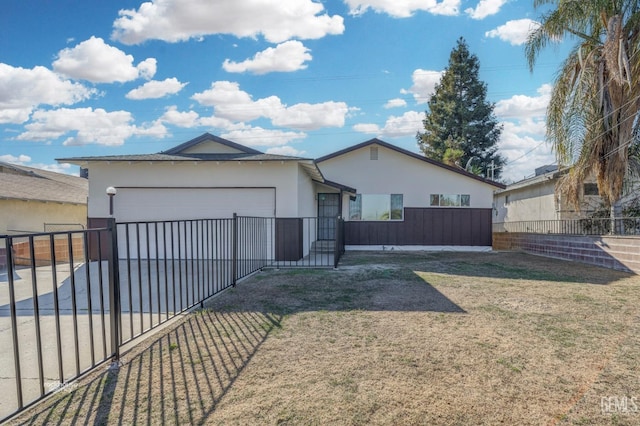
328, 211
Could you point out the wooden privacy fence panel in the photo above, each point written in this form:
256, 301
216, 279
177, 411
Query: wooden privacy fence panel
425, 226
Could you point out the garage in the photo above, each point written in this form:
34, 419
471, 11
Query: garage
144, 204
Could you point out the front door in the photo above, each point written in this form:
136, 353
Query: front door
328, 211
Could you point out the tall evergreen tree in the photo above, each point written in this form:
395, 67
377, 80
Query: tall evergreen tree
460, 127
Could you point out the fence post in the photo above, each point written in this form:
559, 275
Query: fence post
338, 243
14, 321
234, 250
114, 288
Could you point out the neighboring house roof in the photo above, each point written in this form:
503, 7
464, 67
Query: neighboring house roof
376, 141
536, 180
31, 184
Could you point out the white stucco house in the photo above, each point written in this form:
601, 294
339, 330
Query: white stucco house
387, 195
406, 199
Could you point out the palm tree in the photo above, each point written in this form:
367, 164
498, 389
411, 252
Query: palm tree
592, 117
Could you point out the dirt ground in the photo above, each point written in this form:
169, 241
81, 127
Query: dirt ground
387, 338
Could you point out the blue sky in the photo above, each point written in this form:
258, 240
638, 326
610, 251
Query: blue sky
296, 77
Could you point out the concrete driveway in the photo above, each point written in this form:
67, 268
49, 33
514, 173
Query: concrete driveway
155, 293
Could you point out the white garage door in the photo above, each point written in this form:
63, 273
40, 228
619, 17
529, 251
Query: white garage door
147, 204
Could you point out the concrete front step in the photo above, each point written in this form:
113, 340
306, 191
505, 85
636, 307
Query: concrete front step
323, 246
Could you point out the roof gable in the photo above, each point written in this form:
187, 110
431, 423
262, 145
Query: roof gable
210, 144
395, 148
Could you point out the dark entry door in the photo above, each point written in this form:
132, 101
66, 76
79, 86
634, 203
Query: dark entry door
328, 211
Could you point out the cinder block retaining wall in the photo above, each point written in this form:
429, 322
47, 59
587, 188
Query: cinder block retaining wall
614, 252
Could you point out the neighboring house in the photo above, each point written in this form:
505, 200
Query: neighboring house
31, 198
406, 199
210, 177
539, 198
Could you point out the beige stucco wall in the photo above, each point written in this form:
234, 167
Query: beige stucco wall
536, 202
541, 200
397, 173
283, 176
31, 216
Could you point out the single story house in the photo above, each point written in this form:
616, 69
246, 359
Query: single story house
407, 199
387, 195
35, 200
539, 199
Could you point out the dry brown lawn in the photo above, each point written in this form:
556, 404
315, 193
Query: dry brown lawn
388, 338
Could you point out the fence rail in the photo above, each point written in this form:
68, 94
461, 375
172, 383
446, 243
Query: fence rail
587, 226
70, 299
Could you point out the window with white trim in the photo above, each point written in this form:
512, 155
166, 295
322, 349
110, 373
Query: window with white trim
450, 200
375, 207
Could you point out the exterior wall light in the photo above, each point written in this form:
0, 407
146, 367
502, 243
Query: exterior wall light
111, 192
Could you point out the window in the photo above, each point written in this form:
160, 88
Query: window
591, 189
376, 207
450, 200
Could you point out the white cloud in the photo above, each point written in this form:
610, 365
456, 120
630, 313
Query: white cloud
424, 84
180, 20
285, 150
305, 116
520, 106
231, 103
22, 90
285, 57
156, 89
94, 60
257, 136
25, 160
155, 129
408, 124
20, 159
485, 8
87, 126
219, 123
147, 68
404, 8
174, 117
368, 128
395, 103
65, 168
513, 32
522, 141
524, 153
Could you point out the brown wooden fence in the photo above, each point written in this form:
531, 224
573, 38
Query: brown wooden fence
425, 226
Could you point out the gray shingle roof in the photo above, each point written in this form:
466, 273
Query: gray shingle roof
177, 154
209, 137
183, 157
28, 183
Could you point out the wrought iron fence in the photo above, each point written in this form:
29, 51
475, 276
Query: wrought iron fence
56, 312
54, 227
94, 290
587, 226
